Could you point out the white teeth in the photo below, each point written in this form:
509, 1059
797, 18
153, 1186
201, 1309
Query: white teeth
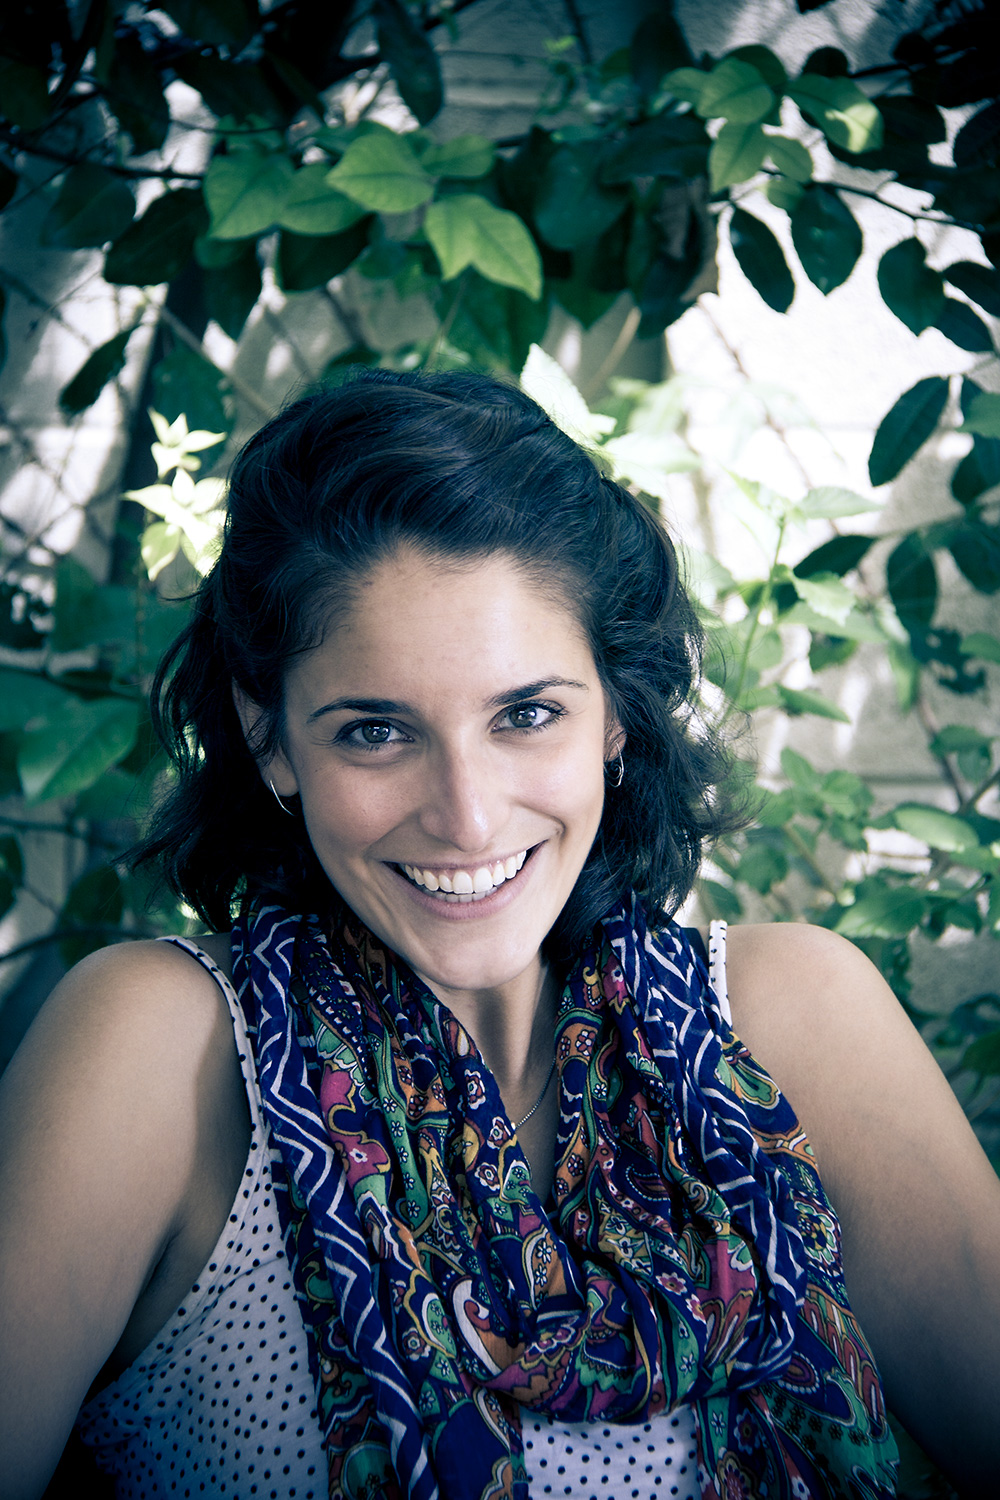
461, 885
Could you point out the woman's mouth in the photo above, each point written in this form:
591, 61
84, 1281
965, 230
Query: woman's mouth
463, 886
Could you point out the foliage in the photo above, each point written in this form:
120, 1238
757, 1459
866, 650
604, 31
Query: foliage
633, 167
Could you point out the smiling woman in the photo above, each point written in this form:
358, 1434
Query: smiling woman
439, 1169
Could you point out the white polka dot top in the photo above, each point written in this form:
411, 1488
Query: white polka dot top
221, 1402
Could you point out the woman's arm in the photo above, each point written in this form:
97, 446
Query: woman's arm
918, 1201
122, 1122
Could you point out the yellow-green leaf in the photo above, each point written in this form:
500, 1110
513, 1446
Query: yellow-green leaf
467, 230
312, 206
463, 156
737, 152
736, 91
844, 114
790, 157
245, 192
75, 744
382, 173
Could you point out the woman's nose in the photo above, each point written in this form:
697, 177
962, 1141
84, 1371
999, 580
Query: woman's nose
464, 804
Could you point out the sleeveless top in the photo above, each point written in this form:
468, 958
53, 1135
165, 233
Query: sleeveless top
221, 1401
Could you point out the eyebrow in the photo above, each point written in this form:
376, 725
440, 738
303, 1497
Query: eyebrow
389, 706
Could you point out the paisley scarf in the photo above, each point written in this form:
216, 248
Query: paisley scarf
686, 1254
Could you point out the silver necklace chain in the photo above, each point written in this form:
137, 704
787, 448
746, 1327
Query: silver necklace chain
537, 1103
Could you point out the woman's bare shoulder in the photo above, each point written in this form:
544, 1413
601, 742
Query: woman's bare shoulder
123, 1121
918, 1201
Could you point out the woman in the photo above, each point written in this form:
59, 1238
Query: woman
473, 1191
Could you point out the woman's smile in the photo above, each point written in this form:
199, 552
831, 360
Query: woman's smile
452, 780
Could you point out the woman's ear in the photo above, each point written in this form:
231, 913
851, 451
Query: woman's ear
614, 738
275, 770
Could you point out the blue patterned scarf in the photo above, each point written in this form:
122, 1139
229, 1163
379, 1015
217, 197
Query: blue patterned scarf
687, 1252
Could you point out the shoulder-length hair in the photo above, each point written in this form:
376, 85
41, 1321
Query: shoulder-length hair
460, 466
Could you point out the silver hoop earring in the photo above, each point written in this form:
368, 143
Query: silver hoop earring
277, 799
615, 780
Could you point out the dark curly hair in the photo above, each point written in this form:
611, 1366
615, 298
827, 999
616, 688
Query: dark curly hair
462, 467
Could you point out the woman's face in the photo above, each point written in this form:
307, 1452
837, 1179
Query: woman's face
448, 741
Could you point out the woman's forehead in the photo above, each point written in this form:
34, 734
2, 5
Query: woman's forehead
419, 622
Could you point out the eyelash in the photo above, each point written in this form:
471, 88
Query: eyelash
345, 735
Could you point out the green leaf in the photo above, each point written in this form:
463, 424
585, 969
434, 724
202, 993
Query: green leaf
798, 770
978, 471
983, 415
220, 23
964, 327
467, 230
466, 156
686, 84
77, 742
134, 93
826, 596
972, 749
770, 67
8, 184
909, 287
158, 246
736, 91
412, 60
720, 901
666, 146
937, 829
983, 1055
94, 374
797, 701
86, 615
790, 157
93, 206
11, 872
231, 291
761, 867
907, 426
382, 173
761, 259
572, 206
905, 673
25, 696
975, 546
783, 193
159, 546
307, 261
981, 284
246, 192
737, 152
883, 911
912, 582
846, 116
24, 94
840, 555
96, 899
829, 502
186, 383
312, 206
826, 238
545, 381
983, 646
658, 44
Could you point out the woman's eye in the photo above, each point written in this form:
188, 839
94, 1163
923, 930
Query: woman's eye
530, 715
369, 735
